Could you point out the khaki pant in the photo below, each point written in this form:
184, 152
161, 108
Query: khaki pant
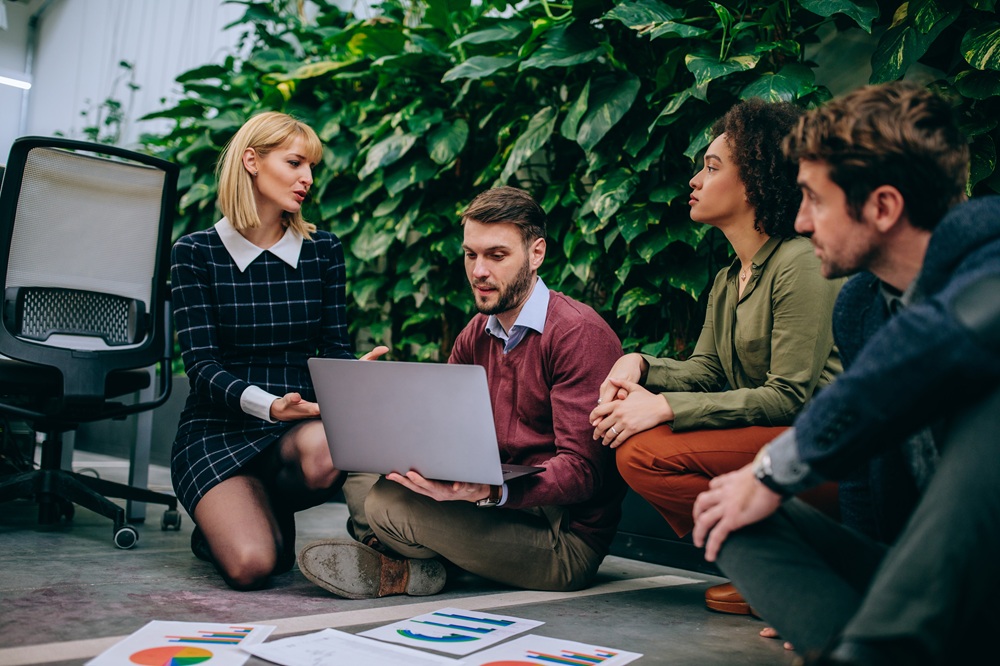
527, 548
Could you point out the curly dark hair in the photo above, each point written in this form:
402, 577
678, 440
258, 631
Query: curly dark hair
754, 132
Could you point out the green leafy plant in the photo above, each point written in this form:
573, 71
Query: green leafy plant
600, 109
106, 120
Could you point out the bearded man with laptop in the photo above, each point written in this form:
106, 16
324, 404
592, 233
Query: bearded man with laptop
545, 356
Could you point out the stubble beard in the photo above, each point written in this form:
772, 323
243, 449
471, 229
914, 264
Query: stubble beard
508, 297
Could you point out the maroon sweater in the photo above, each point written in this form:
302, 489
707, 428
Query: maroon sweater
542, 392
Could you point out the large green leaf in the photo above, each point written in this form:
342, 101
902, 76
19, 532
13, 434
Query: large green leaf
699, 140
504, 31
671, 108
582, 260
709, 68
610, 99
386, 152
631, 223
610, 193
915, 26
198, 192
565, 46
690, 277
372, 240
863, 12
643, 13
534, 137
981, 46
975, 84
478, 67
202, 73
571, 122
315, 69
673, 29
984, 160
408, 173
447, 141
365, 290
651, 244
787, 85
635, 298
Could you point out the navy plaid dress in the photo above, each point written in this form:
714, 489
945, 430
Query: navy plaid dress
238, 329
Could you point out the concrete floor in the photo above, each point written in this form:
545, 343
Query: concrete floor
66, 594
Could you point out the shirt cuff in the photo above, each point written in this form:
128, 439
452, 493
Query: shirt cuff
787, 469
255, 401
503, 494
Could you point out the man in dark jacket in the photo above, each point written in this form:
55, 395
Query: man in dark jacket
920, 399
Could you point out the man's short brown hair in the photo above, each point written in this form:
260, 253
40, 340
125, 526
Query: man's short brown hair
897, 134
510, 205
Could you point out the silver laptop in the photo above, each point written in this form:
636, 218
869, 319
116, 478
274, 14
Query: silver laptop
390, 416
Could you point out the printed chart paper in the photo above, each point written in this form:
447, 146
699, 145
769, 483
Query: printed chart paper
452, 630
337, 647
543, 651
184, 644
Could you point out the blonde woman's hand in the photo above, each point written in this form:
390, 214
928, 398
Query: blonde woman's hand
374, 353
291, 407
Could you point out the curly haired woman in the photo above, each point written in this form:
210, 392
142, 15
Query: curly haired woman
766, 345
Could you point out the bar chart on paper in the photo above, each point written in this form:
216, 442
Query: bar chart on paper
545, 651
232, 636
168, 643
563, 658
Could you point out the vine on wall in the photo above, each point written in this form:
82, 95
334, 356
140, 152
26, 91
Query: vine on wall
598, 108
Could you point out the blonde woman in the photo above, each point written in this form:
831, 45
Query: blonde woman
254, 297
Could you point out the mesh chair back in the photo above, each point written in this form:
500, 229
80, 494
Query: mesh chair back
84, 248
86, 223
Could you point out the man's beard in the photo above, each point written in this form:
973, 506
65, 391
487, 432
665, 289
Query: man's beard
510, 296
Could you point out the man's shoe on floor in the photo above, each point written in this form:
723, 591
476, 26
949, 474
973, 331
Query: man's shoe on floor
355, 571
726, 599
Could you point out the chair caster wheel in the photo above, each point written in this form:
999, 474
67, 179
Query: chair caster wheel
171, 520
126, 537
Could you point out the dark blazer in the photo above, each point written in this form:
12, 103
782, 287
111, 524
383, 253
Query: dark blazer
908, 372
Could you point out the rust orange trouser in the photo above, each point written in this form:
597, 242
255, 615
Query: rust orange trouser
669, 469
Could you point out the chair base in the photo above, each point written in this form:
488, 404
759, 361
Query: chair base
56, 491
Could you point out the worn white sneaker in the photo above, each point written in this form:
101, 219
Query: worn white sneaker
355, 571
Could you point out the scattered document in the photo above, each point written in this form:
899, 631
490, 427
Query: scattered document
452, 630
542, 650
330, 646
188, 643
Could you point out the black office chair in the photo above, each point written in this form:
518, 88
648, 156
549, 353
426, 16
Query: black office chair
85, 233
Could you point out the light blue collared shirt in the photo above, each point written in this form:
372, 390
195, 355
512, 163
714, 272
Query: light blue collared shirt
531, 316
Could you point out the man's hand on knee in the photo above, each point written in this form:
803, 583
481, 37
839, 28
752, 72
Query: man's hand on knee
442, 491
731, 502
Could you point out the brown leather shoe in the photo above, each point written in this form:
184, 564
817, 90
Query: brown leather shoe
726, 599
356, 571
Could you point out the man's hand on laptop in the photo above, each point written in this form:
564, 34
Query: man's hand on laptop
291, 407
374, 353
442, 491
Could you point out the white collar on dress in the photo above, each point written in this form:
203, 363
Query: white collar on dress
244, 252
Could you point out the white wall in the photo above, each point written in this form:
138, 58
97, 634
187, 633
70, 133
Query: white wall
81, 42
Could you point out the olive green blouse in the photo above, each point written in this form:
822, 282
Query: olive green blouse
759, 358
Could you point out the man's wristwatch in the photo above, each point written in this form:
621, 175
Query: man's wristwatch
765, 474
496, 492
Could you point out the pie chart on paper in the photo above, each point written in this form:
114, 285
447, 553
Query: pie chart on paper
171, 656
